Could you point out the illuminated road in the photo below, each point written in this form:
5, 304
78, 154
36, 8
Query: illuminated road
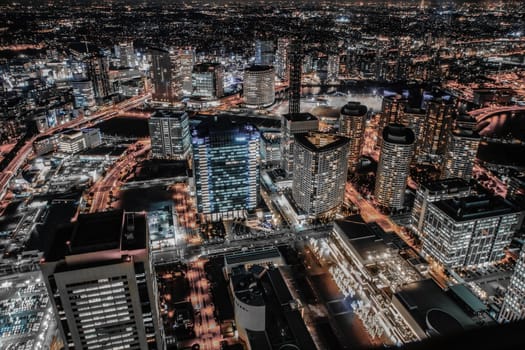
110, 112
112, 180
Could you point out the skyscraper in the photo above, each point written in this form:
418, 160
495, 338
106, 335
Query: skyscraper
295, 57
469, 231
460, 153
394, 165
264, 52
259, 86
226, 166
392, 108
170, 134
162, 75
281, 58
97, 72
294, 124
320, 169
352, 123
127, 54
436, 128
513, 308
207, 81
184, 67
101, 283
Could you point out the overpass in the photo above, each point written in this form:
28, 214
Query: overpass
153, 183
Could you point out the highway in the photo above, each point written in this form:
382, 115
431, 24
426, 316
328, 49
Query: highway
109, 112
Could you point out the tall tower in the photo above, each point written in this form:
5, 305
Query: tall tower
292, 124
101, 283
513, 308
281, 58
226, 165
207, 80
438, 123
294, 64
394, 165
460, 154
170, 134
320, 168
162, 75
264, 53
352, 123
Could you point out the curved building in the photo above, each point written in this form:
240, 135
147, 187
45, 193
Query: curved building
259, 86
352, 123
460, 154
394, 165
319, 175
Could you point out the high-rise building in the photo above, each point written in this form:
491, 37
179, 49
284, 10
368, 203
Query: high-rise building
184, 67
437, 125
294, 124
207, 81
394, 166
470, 231
162, 76
392, 109
295, 57
264, 52
333, 68
460, 153
226, 167
259, 86
433, 192
513, 308
101, 283
170, 134
352, 123
127, 54
320, 169
414, 118
98, 72
281, 58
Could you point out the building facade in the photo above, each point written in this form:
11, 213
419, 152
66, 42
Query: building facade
170, 134
460, 153
292, 124
226, 167
352, 123
394, 166
469, 231
207, 81
259, 86
513, 308
320, 169
99, 277
162, 76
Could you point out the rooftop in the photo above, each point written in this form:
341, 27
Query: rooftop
446, 185
476, 207
398, 134
168, 113
206, 67
320, 142
258, 68
354, 108
299, 117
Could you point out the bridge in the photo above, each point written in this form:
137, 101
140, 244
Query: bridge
154, 182
489, 118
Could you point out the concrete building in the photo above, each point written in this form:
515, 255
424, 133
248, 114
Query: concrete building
83, 93
281, 58
207, 81
259, 86
320, 170
292, 124
74, 141
270, 149
433, 192
98, 72
352, 123
170, 134
392, 108
460, 153
437, 126
99, 277
226, 163
470, 231
394, 165
264, 52
162, 76
513, 308
295, 60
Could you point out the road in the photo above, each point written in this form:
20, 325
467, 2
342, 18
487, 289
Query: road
110, 112
112, 180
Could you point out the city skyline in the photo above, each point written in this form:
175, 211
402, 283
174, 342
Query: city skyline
262, 175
